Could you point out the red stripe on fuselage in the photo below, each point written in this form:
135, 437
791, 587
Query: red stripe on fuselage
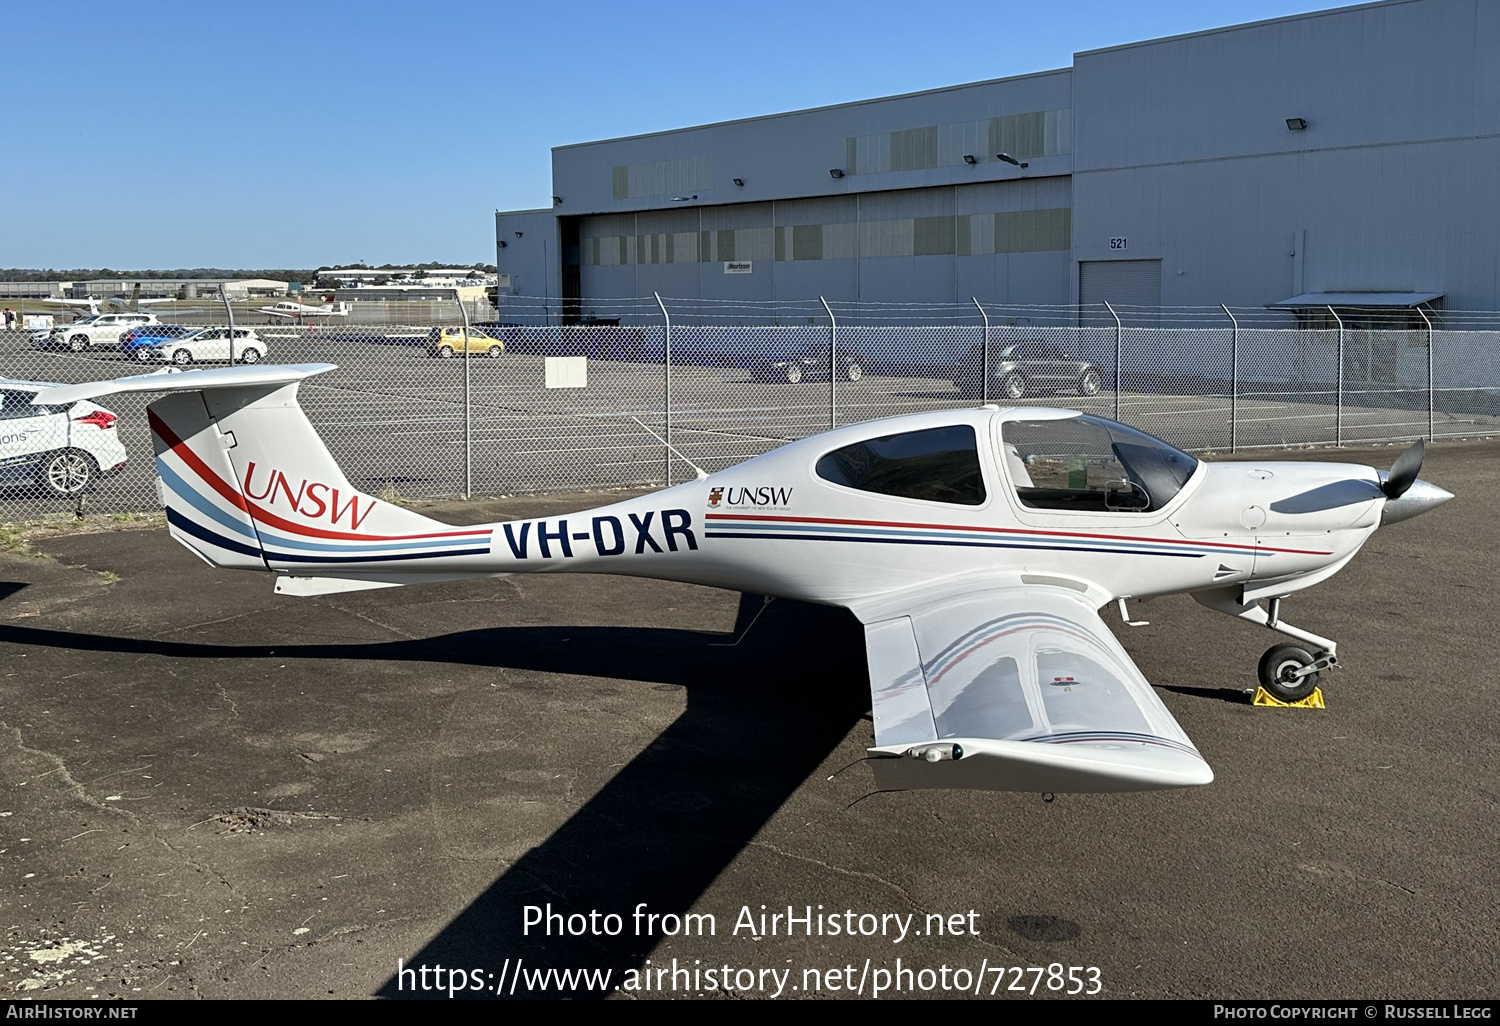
188, 456
1008, 530
265, 516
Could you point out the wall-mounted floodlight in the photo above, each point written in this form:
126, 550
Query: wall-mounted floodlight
738, 181
1010, 160
969, 158
836, 172
556, 201
518, 235
501, 243
1296, 124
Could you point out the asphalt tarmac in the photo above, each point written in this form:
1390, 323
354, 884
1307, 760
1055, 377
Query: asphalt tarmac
210, 791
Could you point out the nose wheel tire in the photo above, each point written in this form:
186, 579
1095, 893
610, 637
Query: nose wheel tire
1277, 667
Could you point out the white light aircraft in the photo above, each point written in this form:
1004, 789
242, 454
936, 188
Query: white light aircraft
94, 304
975, 545
299, 311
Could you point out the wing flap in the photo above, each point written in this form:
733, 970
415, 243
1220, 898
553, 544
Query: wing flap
903, 715
1026, 690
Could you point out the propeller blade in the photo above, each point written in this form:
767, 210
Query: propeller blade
1404, 471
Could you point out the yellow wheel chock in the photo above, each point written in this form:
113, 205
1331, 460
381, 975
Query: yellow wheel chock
1312, 701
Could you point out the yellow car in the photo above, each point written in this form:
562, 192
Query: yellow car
449, 342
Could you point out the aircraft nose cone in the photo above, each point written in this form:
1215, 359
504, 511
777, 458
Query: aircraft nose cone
1419, 498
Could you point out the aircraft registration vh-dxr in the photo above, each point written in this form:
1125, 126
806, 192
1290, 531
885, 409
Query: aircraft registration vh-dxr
975, 545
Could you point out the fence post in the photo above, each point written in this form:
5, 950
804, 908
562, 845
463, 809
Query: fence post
666, 384
1119, 371
984, 362
468, 412
833, 366
229, 311
1338, 417
1430, 393
1234, 379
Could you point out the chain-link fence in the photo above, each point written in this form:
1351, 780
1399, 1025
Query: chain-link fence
641, 397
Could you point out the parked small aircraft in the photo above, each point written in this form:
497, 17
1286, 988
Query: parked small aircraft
975, 545
299, 311
96, 304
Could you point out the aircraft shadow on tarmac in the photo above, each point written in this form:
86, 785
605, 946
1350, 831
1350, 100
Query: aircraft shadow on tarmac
1234, 696
664, 827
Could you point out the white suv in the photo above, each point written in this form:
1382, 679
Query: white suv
99, 331
60, 450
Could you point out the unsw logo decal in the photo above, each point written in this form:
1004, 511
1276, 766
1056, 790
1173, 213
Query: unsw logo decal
764, 495
311, 499
608, 534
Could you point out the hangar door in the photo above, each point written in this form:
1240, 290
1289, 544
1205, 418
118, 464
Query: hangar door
1133, 284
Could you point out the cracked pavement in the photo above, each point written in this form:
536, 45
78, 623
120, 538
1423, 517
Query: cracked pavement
210, 791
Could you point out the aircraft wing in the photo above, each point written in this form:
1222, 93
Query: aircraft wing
1014, 686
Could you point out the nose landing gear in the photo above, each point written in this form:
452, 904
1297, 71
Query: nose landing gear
1289, 673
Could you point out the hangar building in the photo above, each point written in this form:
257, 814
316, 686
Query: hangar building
1289, 162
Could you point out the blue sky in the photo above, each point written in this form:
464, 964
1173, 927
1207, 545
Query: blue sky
279, 134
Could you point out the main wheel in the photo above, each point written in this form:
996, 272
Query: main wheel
250, 356
1276, 669
854, 372
65, 473
1090, 382
182, 357
1013, 385
793, 373
78, 343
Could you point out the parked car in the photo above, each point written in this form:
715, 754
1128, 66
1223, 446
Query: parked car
135, 342
60, 450
206, 345
97, 331
1025, 368
810, 363
449, 342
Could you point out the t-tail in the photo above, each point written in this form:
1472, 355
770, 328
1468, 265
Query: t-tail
248, 484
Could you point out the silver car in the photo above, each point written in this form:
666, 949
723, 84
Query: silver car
1025, 368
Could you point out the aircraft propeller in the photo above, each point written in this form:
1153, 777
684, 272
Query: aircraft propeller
1404, 471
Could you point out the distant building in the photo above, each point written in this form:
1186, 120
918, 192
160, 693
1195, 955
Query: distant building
357, 275
151, 288
1344, 157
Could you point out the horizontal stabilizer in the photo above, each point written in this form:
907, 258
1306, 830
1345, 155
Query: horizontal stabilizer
171, 380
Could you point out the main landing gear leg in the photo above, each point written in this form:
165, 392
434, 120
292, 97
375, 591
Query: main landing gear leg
1289, 673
